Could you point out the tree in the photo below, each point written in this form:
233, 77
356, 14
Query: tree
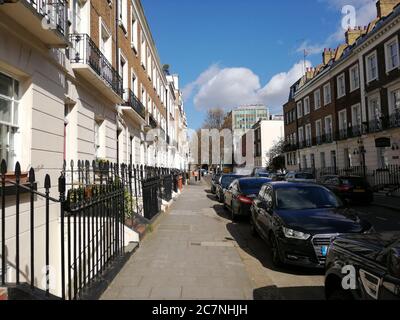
215, 119
276, 158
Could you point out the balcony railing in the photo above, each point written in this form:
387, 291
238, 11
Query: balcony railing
343, 134
54, 12
394, 119
152, 122
355, 131
376, 125
308, 143
85, 51
133, 102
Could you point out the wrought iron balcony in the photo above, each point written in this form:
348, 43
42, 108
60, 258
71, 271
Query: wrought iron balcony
152, 121
343, 134
87, 58
327, 138
355, 131
289, 147
133, 102
394, 119
308, 142
376, 125
45, 19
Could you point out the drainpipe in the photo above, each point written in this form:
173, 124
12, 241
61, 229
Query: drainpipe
167, 123
117, 66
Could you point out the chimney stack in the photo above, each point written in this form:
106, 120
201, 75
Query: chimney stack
310, 73
353, 34
385, 7
327, 56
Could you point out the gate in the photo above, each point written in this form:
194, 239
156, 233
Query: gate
151, 201
94, 214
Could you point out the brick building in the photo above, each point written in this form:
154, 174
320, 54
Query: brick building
344, 113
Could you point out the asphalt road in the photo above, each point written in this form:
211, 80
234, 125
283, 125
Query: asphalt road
289, 283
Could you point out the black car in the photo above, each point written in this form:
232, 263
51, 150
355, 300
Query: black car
224, 182
349, 188
240, 195
215, 182
298, 220
370, 263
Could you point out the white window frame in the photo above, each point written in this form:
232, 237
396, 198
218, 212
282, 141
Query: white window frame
134, 31
326, 102
354, 121
143, 50
317, 99
387, 54
341, 89
301, 134
299, 105
134, 84
123, 15
105, 47
372, 112
326, 127
353, 85
308, 133
367, 58
318, 124
307, 107
390, 91
345, 123
13, 125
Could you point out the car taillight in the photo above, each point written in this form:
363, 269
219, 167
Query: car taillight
344, 188
245, 200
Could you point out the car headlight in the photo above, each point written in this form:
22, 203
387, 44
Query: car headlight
292, 234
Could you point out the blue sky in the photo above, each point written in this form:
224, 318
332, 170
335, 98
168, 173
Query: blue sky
232, 52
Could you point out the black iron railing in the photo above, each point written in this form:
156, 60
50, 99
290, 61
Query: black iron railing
376, 125
152, 121
54, 12
94, 203
394, 119
135, 103
85, 51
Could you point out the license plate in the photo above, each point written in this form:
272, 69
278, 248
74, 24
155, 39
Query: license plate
324, 251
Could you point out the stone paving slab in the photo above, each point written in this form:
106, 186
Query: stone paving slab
187, 256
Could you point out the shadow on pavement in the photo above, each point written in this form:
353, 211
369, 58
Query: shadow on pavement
256, 247
293, 293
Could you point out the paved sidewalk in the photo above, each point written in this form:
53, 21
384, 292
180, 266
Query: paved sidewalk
188, 256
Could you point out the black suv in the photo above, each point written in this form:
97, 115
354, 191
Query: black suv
364, 267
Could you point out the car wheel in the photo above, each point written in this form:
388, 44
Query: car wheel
276, 258
340, 295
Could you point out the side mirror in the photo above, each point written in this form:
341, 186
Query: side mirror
393, 262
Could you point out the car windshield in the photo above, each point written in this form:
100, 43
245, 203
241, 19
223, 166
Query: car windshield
306, 176
304, 198
353, 181
252, 186
227, 180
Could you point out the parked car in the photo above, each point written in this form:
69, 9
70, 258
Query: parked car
375, 258
214, 182
277, 177
300, 177
298, 220
349, 188
260, 172
240, 195
224, 182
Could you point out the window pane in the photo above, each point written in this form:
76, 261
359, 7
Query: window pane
16, 90
6, 86
5, 110
15, 119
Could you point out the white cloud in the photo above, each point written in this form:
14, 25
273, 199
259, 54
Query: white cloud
365, 12
276, 92
230, 87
